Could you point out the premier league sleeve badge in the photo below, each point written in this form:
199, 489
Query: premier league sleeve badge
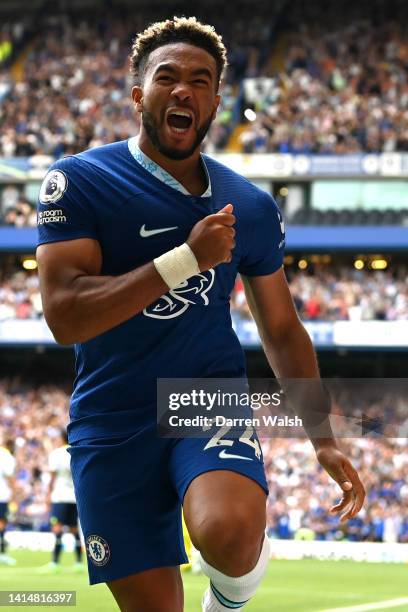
53, 187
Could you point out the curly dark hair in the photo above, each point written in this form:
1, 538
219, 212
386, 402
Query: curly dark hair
179, 29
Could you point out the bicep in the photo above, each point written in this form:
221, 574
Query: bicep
271, 303
60, 263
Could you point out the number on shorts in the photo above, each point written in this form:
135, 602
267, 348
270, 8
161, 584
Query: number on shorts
246, 438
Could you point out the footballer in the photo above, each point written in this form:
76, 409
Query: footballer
62, 505
140, 242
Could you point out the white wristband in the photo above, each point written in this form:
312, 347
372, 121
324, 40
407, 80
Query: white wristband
177, 265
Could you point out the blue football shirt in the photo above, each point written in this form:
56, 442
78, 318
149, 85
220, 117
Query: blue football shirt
110, 195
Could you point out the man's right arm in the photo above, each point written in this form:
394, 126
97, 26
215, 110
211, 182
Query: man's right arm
79, 303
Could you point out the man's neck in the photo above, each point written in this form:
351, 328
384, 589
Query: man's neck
189, 172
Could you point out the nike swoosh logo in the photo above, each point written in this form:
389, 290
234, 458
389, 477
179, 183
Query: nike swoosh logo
224, 455
145, 233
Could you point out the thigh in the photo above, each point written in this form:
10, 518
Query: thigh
128, 509
191, 457
156, 590
218, 475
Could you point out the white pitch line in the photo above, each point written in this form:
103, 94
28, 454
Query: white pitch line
378, 605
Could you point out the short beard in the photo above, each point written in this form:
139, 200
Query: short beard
152, 130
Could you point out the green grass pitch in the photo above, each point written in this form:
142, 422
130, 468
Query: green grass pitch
290, 586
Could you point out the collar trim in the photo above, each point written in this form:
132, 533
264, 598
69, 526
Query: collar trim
159, 172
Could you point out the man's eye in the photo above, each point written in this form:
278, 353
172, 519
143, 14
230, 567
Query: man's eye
200, 81
164, 78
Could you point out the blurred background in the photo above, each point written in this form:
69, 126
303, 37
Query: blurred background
315, 112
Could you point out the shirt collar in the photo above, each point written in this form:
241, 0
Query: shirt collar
159, 172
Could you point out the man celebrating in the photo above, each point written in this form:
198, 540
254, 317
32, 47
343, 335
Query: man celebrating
140, 244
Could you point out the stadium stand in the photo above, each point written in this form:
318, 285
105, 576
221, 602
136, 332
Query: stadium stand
330, 96
77, 78
300, 495
325, 293
292, 508
32, 417
333, 96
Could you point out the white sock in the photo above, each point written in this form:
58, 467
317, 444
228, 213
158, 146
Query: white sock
211, 603
228, 593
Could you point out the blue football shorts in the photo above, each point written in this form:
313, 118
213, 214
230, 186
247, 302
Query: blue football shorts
3, 510
64, 513
129, 493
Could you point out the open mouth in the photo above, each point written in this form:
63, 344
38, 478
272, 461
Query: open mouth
179, 121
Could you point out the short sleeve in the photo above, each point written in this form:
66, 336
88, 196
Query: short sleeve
263, 238
65, 210
9, 466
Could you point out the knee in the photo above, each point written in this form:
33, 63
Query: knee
231, 541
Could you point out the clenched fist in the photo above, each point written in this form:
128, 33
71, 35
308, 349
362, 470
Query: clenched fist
213, 238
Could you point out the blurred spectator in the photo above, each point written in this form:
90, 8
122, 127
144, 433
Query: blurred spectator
6, 47
22, 214
10, 195
20, 296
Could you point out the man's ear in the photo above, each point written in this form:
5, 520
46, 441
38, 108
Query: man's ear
137, 97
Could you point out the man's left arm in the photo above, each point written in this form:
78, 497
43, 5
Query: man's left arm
291, 355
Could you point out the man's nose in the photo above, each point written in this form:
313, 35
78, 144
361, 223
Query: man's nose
181, 91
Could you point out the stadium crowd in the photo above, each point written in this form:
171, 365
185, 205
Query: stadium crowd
317, 89
332, 96
75, 90
342, 293
19, 295
15, 209
329, 294
300, 493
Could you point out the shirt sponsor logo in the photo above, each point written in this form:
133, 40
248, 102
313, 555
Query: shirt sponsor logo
51, 216
53, 187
